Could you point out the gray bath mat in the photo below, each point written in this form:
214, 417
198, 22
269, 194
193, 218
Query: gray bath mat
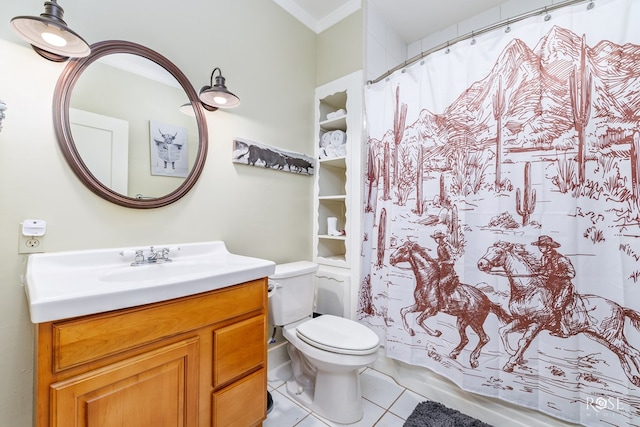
434, 414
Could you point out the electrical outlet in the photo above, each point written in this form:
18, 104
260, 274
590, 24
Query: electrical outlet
30, 244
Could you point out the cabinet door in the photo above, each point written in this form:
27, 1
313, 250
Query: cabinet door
155, 389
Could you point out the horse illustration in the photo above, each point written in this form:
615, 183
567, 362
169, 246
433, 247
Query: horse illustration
602, 320
469, 304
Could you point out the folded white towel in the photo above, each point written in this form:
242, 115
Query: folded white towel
341, 112
338, 137
326, 139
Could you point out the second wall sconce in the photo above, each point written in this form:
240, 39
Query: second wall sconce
217, 95
49, 35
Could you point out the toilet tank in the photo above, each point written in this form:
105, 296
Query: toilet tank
294, 292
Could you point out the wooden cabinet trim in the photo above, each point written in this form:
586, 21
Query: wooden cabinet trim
82, 340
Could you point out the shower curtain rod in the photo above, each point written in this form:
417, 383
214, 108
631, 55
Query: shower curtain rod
473, 34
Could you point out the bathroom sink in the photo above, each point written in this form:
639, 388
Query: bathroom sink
167, 270
60, 285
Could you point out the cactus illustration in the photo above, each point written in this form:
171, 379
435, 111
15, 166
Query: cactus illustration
382, 227
419, 184
386, 190
399, 123
444, 198
498, 110
528, 205
635, 168
454, 227
371, 175
365, 301
580, 96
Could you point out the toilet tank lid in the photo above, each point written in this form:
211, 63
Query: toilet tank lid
292, 269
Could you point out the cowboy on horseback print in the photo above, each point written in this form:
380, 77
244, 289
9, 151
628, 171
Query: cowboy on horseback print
557, 271
448, 278
531, 305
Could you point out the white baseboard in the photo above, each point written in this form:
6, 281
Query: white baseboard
277, 355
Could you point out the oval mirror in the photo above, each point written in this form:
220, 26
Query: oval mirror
119, 122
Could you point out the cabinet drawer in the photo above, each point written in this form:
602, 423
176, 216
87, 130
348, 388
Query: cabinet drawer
242, 404
238, 349
90, 338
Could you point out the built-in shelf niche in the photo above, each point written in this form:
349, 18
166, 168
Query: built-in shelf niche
337, 187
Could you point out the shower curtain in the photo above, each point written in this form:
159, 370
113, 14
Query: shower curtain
501, 244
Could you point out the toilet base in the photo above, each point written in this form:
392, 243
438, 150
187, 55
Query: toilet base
339, 394
336, 396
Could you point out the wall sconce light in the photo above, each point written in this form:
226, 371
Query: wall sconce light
217, 95
49, 35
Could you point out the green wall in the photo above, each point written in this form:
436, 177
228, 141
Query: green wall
341, 49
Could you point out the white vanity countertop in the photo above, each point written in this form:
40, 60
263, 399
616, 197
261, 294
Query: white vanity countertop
61, 285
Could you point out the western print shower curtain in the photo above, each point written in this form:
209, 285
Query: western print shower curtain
501, 245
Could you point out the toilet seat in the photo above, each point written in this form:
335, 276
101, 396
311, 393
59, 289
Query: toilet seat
338, 335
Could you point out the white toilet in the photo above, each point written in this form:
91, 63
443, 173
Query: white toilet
326, 352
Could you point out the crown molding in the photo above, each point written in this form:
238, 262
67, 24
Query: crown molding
318, 25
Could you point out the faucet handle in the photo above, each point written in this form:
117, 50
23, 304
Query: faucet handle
164, 253
137, 254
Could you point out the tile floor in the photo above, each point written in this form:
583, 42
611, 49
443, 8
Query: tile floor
386, 404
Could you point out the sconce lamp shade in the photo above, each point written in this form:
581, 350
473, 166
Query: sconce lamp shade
187, 109
49, 34
217, 95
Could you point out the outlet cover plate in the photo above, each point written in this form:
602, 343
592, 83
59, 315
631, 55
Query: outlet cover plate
29, 244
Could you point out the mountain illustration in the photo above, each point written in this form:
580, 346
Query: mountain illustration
535, 85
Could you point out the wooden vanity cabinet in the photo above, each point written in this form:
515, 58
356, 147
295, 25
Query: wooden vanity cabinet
194, 361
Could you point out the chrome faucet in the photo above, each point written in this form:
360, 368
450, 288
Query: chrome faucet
154, 257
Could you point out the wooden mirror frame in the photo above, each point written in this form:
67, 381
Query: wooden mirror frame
61, 100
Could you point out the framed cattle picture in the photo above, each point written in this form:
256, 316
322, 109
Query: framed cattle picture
169, 154
255, 154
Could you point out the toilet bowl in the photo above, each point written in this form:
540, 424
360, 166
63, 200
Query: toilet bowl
327, 352
327, 381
